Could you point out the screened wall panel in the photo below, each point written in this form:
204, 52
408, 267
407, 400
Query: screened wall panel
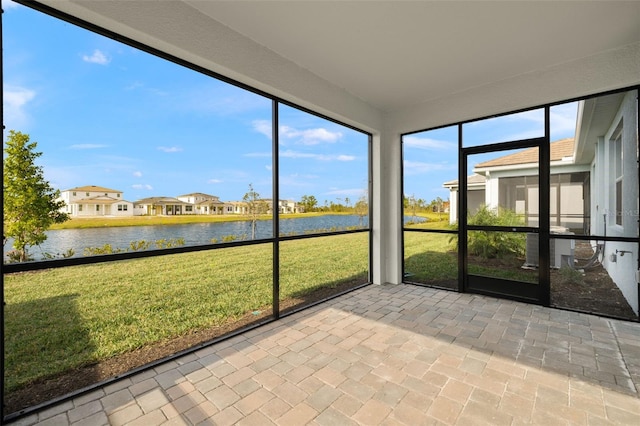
313, 269
324, 174
169, 176
431, 259
430, 178
94, 320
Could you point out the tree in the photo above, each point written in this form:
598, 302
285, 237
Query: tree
413, 205
255, 208
308, 202
30, 205
361, 208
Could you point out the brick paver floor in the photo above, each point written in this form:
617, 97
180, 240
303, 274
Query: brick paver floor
389, 355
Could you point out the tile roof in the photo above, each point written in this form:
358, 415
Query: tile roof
472, 180
559, 150
198, 194
93, 188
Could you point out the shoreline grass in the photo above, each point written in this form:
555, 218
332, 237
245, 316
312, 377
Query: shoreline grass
106, 221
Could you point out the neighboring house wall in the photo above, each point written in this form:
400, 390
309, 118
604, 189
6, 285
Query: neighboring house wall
617, 211
122, 208
95, 201
475, 199
475, 196
202, 204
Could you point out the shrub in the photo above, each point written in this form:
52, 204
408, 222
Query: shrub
493, 244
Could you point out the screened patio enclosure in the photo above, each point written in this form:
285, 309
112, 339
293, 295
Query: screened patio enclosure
433, 106
556, 209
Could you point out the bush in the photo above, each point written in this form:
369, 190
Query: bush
493, 244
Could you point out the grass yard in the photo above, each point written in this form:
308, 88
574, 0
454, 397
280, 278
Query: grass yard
60, 319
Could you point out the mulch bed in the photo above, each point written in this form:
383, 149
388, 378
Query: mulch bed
591, 291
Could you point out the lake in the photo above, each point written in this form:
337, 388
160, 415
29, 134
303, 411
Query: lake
59, 241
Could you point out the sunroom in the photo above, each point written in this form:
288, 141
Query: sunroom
400, 98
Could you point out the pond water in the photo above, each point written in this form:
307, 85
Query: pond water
59, 241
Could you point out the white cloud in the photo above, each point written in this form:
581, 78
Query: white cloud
303, 176
8, 4
354, 192
137, 174
310, 136
169, 149
426, 143
15, 102
297, 154
268, 167
96, 58
562, 120
141, 186
302, 137
263, 127
87, 146
258, 154
214, 181
320, 157
418, 167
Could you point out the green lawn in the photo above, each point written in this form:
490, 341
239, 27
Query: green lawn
63, 318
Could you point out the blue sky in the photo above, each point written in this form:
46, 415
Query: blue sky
106, 114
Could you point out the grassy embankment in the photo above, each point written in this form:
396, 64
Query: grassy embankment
59, 319
102, 222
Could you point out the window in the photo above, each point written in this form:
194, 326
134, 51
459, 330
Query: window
618, 176
97, 207
74, 193
122, 207
86, 193
188, 208
118, 195
79, 207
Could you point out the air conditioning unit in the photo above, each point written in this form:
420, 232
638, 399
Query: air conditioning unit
560, 251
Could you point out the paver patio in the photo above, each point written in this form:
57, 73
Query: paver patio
390, 355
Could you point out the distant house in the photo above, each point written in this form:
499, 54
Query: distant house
289, 206
235, 207
284, 206
92, 201
162, 206
475, 195
203, 203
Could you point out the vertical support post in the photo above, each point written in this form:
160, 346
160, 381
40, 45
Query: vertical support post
544, 226
275, 135
462, 214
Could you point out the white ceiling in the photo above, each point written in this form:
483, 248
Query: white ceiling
394, 54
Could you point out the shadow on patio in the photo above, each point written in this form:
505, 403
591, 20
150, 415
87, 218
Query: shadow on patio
390, 355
